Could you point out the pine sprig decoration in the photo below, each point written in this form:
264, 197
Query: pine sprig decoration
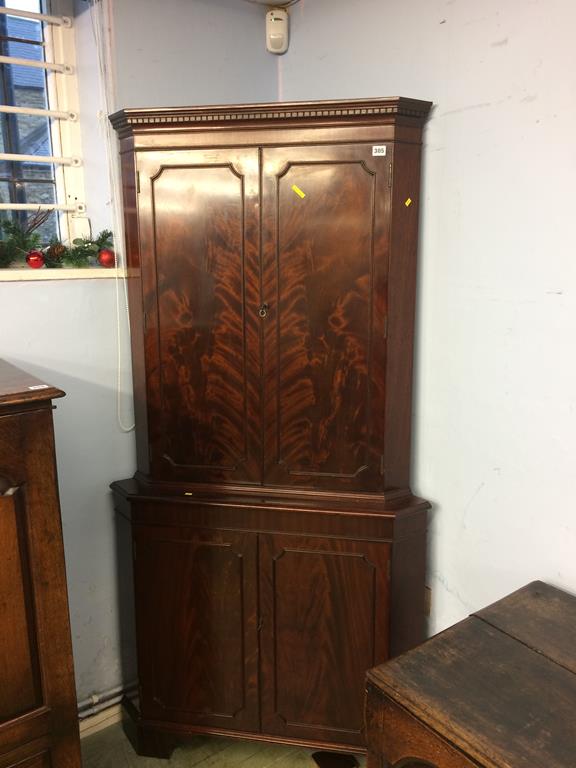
18, 242
8, 253
105, 239
83, 249
24, 238
20, 239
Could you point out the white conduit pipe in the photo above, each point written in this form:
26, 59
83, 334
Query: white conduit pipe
61, 21
75, 161
64, 69
54, 113
36, 207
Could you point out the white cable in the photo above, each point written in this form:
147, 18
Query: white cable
104, 63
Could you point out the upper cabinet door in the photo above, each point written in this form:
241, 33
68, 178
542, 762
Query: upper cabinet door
325, 252
199, 231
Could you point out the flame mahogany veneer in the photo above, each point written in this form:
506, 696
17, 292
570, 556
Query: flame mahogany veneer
278, 550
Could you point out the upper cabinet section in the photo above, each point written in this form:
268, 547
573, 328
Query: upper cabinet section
272, 254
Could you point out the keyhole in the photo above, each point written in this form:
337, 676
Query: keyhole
263, 311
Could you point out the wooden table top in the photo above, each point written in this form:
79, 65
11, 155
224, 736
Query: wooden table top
500, 685
17, 386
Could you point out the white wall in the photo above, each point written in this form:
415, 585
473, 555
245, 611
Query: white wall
182, 52
496, 371
64, 332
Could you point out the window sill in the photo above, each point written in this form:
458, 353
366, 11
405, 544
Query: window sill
87, 273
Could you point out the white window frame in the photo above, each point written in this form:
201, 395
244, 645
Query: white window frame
63, 97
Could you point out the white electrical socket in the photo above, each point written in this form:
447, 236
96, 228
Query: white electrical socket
277, 30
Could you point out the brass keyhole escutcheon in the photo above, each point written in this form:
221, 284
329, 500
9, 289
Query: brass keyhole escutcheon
263, 311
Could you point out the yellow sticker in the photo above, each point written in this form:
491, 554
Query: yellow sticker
298, 191
408, 202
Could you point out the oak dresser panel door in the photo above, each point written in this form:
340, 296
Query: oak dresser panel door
200, 275
324, 620
196, 615
20, 687
40, 759
325, 216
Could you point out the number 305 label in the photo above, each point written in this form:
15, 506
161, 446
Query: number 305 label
379, 149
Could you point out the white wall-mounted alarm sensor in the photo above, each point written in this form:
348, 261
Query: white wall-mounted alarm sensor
277, 30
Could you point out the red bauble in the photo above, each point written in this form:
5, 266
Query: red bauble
106, 257
35, 259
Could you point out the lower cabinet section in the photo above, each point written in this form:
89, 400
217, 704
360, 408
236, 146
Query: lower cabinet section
260, 619
262, 633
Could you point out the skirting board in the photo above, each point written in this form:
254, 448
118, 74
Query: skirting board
100, 720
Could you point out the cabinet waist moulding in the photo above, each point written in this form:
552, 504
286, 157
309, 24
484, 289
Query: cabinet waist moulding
278, 550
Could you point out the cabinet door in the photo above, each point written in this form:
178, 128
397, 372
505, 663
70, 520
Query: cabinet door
324, 618
196, 611
325, 217
199, 230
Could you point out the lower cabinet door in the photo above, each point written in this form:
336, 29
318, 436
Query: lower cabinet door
324, 622
196, 613
20, 687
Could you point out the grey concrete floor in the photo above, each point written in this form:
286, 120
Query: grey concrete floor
111, 749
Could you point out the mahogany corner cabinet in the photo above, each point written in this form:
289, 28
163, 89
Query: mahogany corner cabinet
278, 552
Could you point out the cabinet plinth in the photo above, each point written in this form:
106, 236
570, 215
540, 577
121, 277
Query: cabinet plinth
272, 266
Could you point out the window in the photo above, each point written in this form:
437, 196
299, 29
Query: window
40, 146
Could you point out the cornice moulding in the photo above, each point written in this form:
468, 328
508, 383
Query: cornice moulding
129, 121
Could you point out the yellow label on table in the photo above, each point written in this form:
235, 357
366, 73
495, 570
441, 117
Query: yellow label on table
408, 202
298, 191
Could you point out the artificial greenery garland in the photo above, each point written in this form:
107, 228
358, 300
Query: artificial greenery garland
20, 241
